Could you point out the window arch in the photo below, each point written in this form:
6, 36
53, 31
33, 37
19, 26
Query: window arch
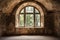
29, 15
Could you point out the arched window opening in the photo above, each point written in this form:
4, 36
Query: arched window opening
29, 17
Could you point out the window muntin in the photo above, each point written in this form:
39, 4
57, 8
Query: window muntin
29, 17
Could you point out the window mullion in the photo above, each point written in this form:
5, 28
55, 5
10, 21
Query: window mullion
34, 16
40, 19
19, 19
24, 16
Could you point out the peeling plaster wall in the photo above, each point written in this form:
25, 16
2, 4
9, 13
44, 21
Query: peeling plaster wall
56, 13
8, 5
57, 23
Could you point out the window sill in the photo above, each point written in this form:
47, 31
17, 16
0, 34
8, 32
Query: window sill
29, 27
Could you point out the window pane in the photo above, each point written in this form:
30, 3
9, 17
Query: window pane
37, 20
21, 20
29, 20
29, 9
36, 11
22, 11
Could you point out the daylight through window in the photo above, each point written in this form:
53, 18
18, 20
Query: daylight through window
29, 17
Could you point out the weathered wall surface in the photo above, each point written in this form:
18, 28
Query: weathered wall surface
56, 7
7, 18
57, 23
8, 5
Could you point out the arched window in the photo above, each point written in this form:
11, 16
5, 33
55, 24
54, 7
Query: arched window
29, 17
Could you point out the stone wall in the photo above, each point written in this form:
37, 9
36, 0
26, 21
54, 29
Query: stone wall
2, 23
56, 7
57, 23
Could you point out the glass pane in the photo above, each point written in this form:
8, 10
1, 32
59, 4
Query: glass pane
22, 11
29, 9
29, 20
37, 20
36, 11
21, 20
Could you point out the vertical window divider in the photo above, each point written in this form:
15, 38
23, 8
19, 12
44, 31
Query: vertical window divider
40, 19
34, 17
24, 17
19, 19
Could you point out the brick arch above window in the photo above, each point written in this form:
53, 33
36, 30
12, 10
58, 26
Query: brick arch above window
30, 4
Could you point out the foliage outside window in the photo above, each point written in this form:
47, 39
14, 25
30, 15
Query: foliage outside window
29, 17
